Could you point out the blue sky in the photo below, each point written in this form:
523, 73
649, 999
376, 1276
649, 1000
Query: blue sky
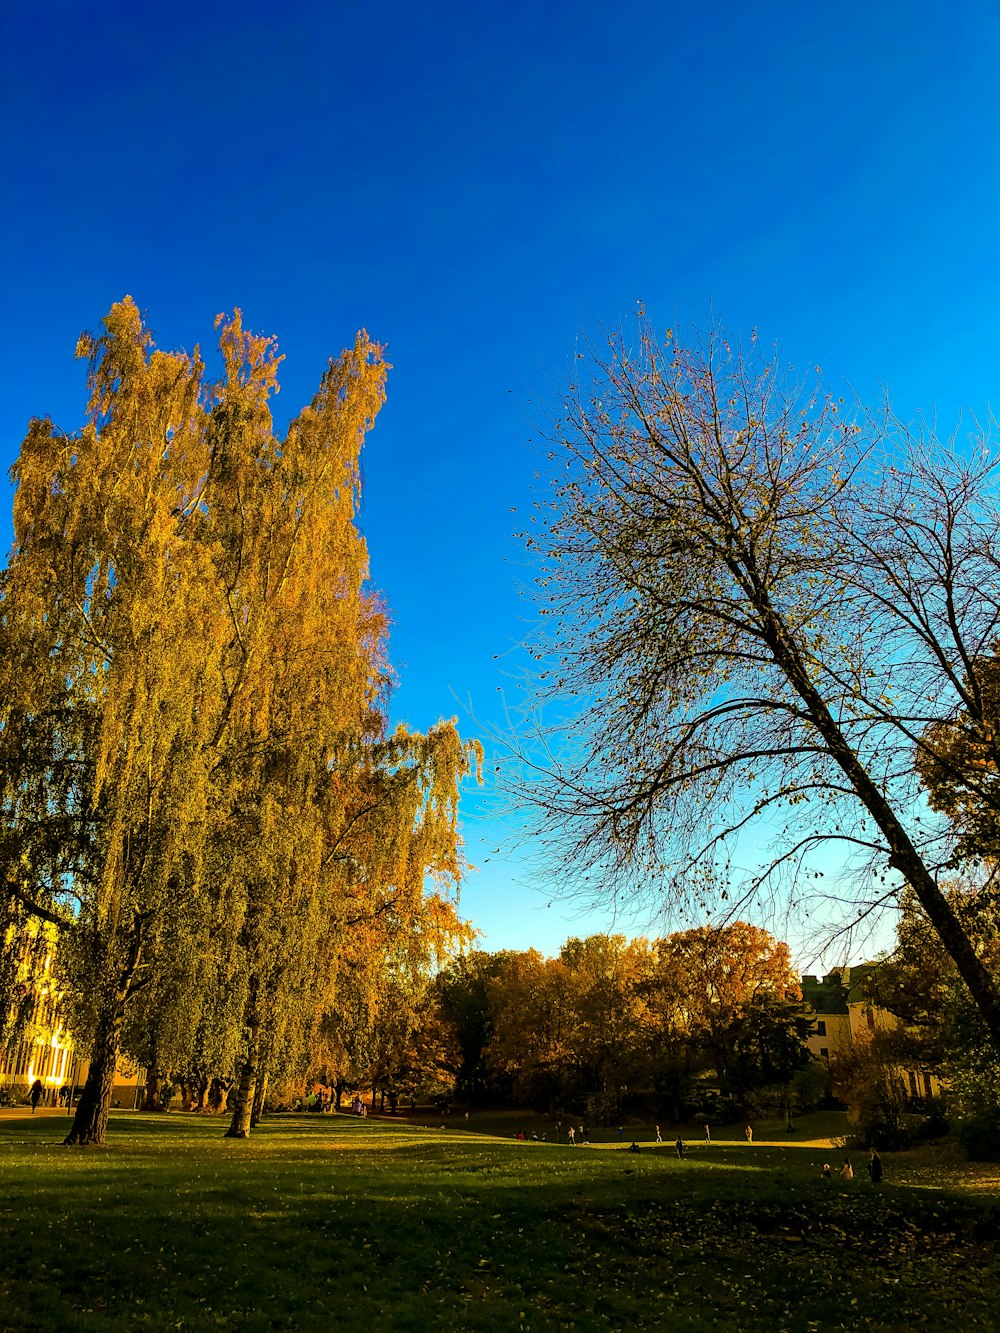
476, 185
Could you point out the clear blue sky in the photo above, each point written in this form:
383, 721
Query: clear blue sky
475, 185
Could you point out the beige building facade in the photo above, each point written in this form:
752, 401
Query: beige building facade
44, 1049
845, 1019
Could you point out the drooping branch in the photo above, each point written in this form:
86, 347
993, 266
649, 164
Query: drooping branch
36, 909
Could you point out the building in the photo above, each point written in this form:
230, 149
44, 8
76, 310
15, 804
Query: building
42, 1047
845, 1018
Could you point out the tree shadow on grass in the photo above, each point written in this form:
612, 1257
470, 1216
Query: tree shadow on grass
444, 1232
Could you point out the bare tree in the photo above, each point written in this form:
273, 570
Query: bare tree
760, 609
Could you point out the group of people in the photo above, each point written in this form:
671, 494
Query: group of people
582, 1136
634, 1147
846, 1172
37, 1091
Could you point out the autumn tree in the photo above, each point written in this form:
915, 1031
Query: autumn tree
611, 1015
389, 823
193, 689
674, 1056
417, 1053
740, 1000
184, 1024
758, 608
112, 626
533, 1029
372, 1008
464, 987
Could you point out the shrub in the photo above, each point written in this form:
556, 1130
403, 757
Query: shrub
980, 1139
935, 1122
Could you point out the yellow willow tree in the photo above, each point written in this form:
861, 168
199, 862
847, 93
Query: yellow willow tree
393, 823
113, 636
190, 649
340, 899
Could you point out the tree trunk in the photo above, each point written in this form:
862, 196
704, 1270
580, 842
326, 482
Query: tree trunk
90, 1123
903, 855
218, 1096
151, 1095
259, 1093
722, 1071
239, 1127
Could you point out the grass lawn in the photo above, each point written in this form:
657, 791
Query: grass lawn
325, 1223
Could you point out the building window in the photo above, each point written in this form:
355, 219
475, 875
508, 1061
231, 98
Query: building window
928, 1092
913, 1083
825, 1052
820, 1028
870, 1016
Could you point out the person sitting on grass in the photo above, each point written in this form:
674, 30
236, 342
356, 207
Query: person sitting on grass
847, 1171
827, 1173
635, 1147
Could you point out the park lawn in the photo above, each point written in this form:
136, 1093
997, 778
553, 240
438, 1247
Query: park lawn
320, 1221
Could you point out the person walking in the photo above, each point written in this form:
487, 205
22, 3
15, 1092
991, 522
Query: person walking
708, 1134
659, 1136
36, 1094
572, 1137
749, 1134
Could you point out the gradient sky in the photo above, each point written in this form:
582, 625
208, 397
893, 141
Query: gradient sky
477, 185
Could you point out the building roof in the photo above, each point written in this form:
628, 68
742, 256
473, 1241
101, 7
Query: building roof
838, 990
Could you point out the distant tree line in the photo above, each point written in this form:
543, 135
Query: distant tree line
711, 1017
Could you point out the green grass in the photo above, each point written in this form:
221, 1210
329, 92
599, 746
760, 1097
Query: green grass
331, 1222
